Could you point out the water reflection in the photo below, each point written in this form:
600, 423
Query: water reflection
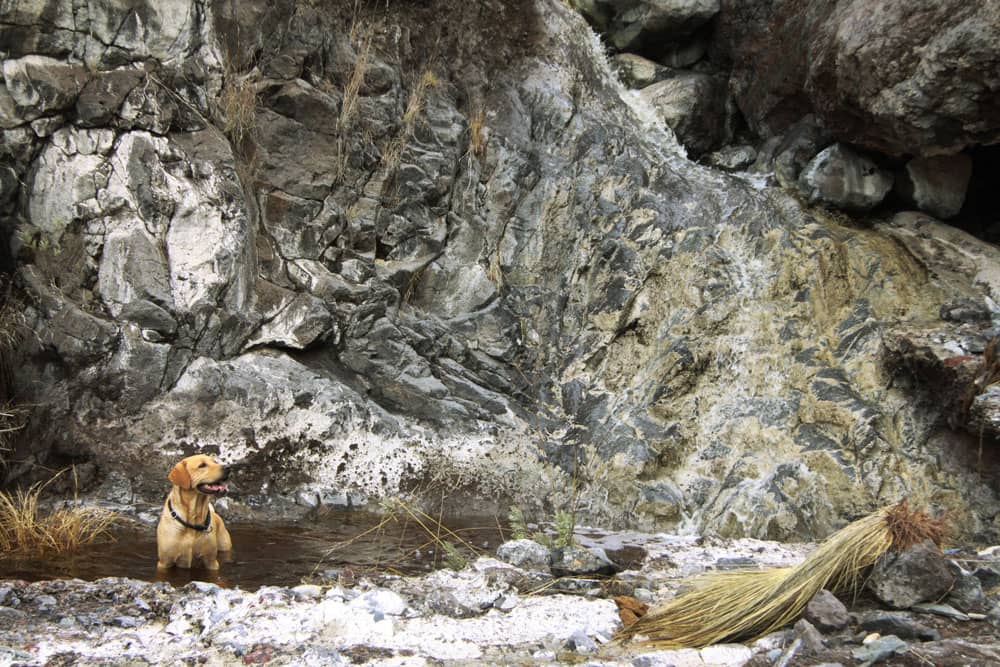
341, 545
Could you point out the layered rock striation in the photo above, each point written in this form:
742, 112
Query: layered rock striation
391, 250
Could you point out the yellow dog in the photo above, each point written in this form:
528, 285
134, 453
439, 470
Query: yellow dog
189, 528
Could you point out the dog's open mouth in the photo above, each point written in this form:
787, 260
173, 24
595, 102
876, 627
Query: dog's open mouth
212, 488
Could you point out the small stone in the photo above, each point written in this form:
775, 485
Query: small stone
46, 602
524, 553
726, 654
177, 627
202, 587
732, 158
811, 638
307, 499
941, 610
735, 563
380, 602
580, 642
683, 657
506, 602
574, 560
880, 649
307, 592
900, 625
826, 612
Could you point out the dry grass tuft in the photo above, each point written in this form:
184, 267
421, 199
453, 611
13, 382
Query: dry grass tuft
910, 526
352, 89
736, 606
25, 530
477, 135
238, 102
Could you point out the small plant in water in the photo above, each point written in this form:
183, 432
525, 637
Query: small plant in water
565, 524
25, 530
453, 558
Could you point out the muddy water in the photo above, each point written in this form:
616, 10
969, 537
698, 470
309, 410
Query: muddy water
345, 545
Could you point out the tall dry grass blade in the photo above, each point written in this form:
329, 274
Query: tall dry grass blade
24, 530
733, 606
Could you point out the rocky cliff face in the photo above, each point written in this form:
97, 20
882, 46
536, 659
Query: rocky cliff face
370, 251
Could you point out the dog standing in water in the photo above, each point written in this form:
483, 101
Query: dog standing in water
189, 528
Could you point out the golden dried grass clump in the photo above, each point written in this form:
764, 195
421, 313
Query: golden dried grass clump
735, 606
25, 530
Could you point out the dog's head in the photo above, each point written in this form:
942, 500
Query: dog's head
200, 473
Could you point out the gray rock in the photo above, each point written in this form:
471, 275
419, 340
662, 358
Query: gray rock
685, 52
580, 642
875, 80
967, 593
693, 105
945, 610
812, 638
880, 649
574, 560
900, 625
649, 22
919, 574
638, 72
524, 553
936, 184
826, 612
380, 603
732, 158
788, 154
839, 177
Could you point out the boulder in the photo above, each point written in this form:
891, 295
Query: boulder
791, 152
936, 184
918, 574
842, 178
891, 79
694, 106
648, 23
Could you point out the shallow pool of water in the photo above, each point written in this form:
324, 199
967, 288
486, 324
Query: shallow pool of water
350, 544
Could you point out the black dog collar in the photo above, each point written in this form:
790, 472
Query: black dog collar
205, 527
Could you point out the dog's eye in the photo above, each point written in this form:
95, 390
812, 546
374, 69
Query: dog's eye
203, 465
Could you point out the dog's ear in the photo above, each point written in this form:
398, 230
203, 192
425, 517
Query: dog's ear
180, 476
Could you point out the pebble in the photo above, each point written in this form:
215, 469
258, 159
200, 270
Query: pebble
307, 592
941, 610
575, 561
380, 602
524, 553
879, 649
506, 602
580, 642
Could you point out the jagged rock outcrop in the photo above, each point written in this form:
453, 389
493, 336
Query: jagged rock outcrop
417, 254
901, 78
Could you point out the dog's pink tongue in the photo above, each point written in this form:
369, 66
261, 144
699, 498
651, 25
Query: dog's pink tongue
216, 488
